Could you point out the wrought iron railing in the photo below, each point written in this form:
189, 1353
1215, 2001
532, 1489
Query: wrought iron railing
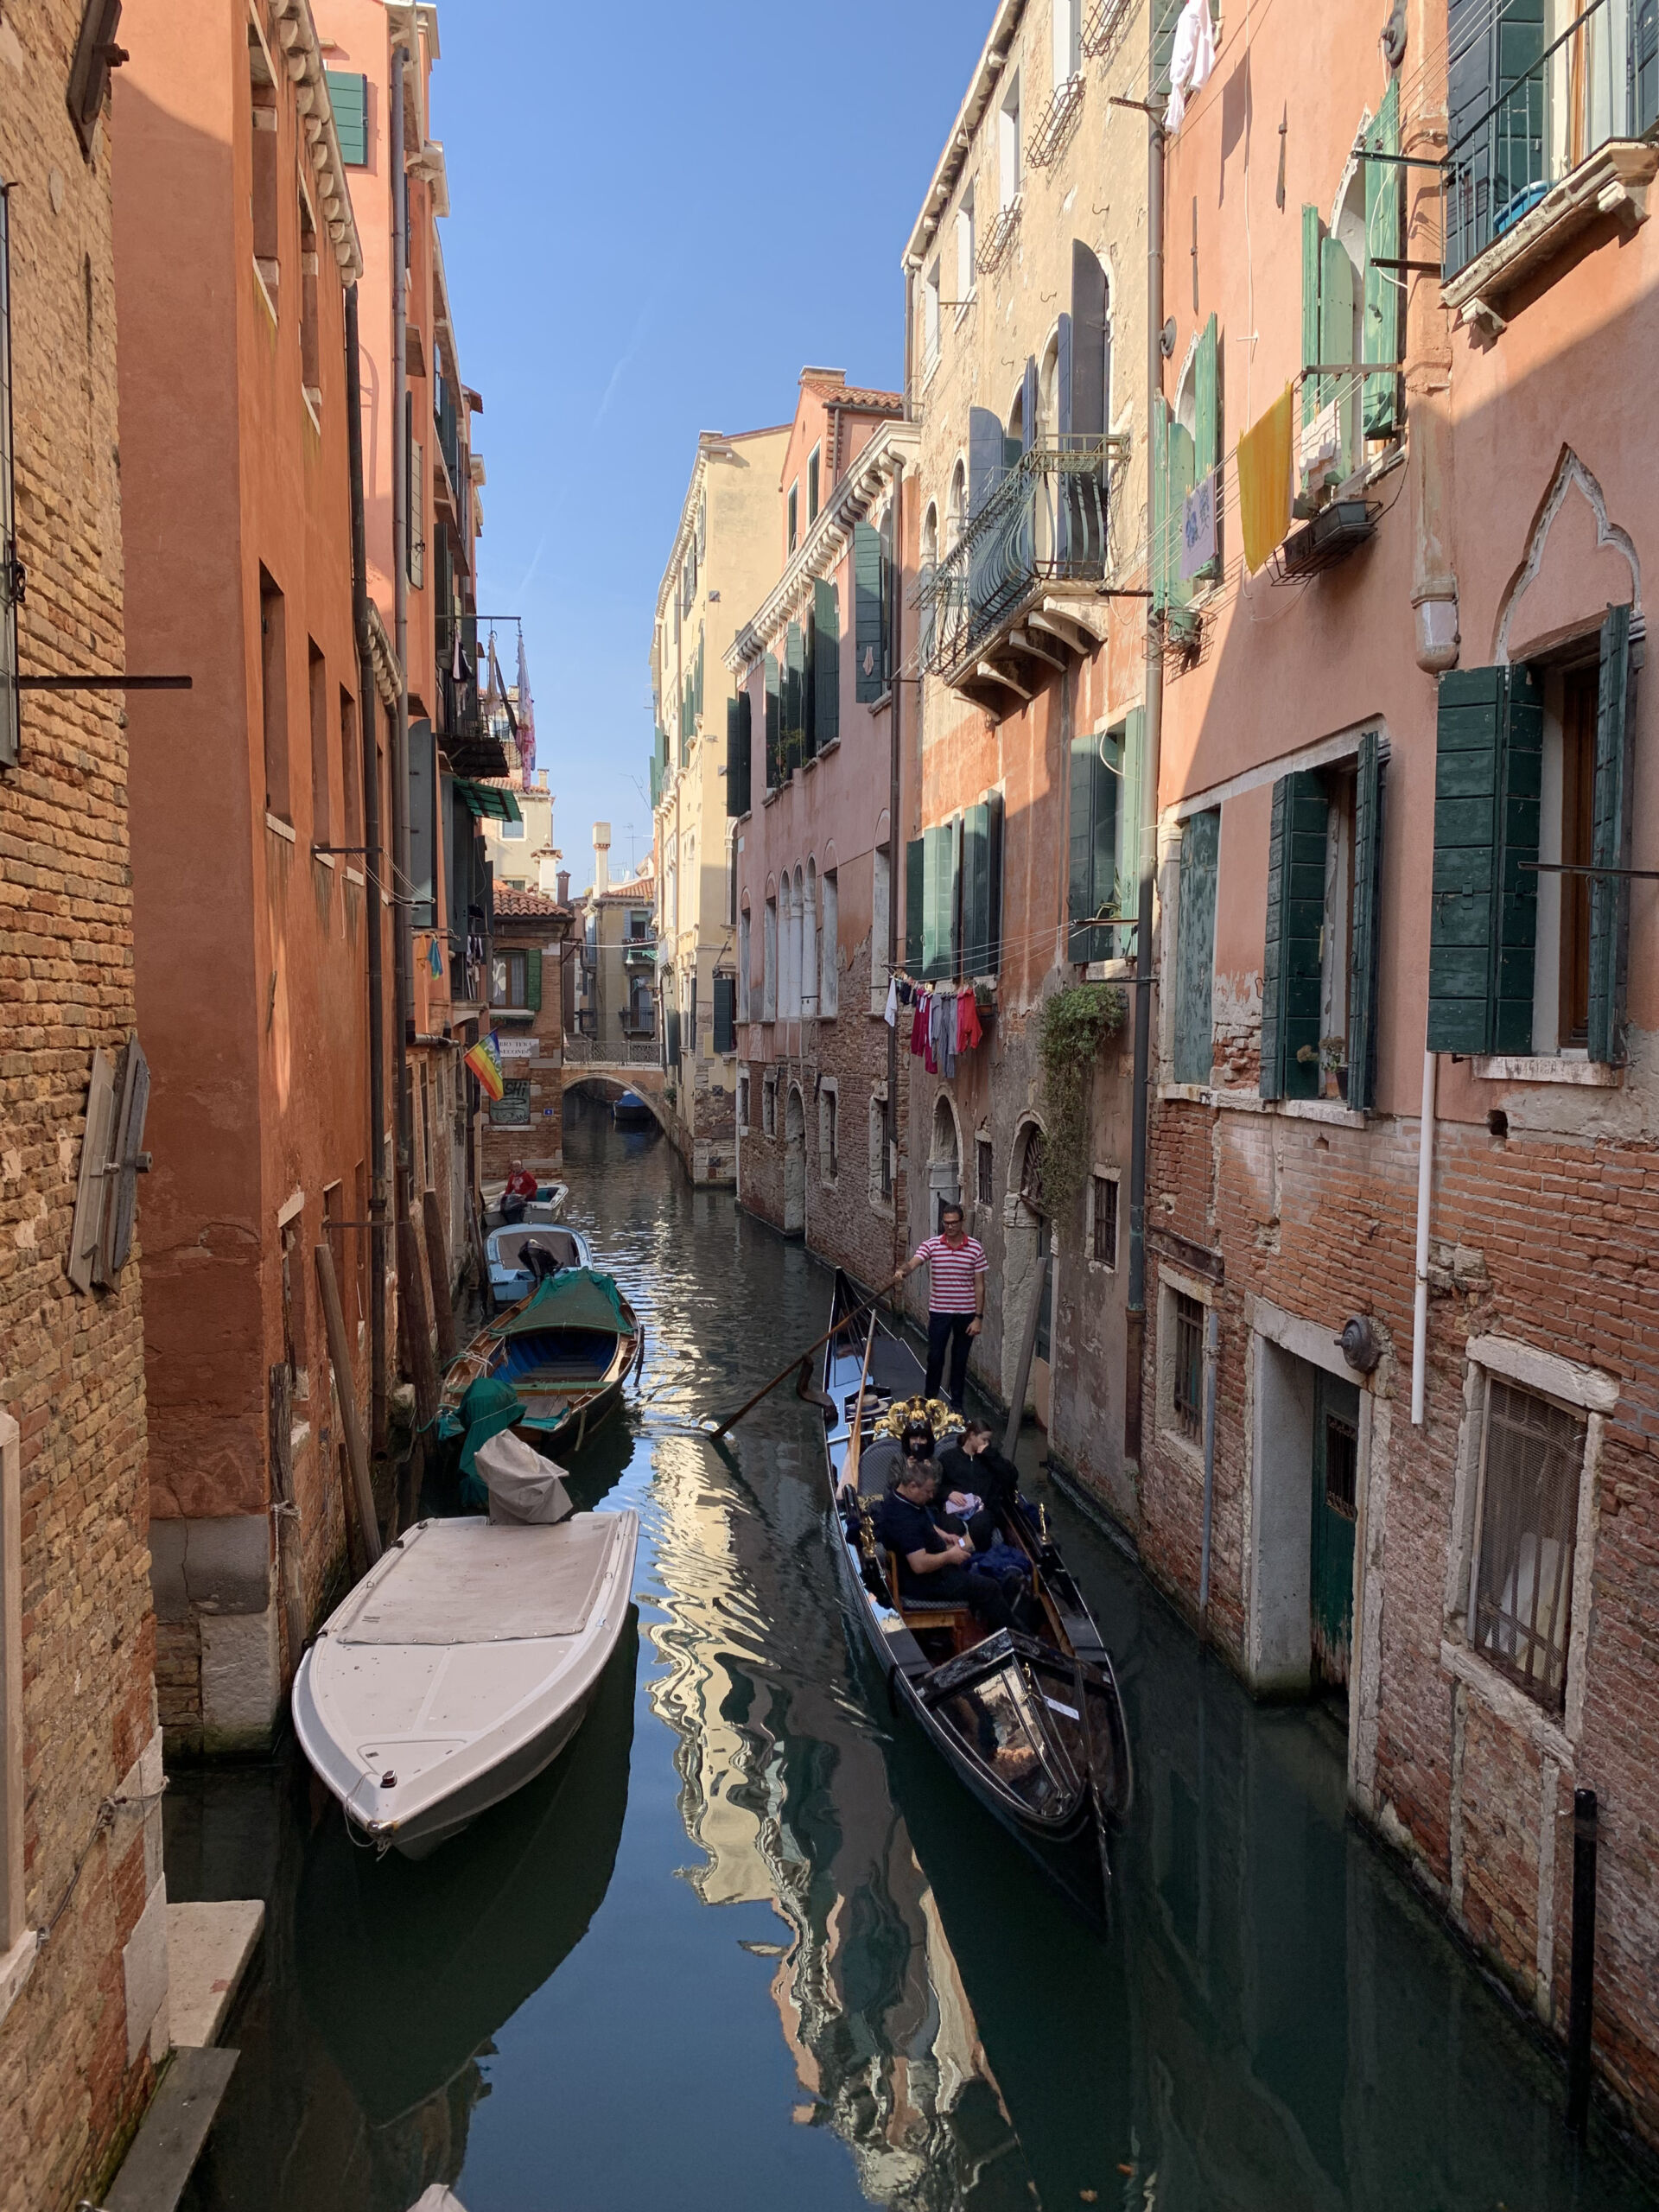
1049, 138
999, 238
1515, 133
1046, 522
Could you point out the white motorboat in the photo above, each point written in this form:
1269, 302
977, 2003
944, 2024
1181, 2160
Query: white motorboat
460, 1666
514, 1274
547, 1204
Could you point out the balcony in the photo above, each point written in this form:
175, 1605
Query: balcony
639, 950
1539, 156
471, 732
1020, 586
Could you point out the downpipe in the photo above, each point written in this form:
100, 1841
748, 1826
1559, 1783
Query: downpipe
1424, 1194
1211, 1362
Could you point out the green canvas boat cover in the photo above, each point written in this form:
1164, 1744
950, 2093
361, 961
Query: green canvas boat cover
578, 1297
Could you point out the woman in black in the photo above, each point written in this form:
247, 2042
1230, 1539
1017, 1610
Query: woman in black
932, 1565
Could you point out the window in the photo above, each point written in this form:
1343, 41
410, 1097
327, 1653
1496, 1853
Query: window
261, 104
871, 593
966, 250
273, 699
930, 295
984, 1182
982, 887
745, 958
1007, 146
956, 510
703, 524
739, 789
1188, 1366
1521, 1577
8, 523
1067, 31
794, 516
350, 777
516, 978
743, 1104
769, 1105
829, 947
828, 1131
1195, 948
310, 346
1102, 868
812, 487
725, 1013
769, 960
881, 922
1102, 1224
1318, 979
317, 673
511, 828
691, 1019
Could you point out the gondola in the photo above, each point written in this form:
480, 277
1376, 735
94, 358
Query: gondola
1032, 1723
566, 1349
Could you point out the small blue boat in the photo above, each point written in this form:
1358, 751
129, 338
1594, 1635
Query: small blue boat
631, 1111
565, 1351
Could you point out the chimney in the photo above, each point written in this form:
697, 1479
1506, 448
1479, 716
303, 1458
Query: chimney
601, 858
563, 886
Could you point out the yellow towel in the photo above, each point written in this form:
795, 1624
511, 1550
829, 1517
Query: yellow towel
1264, 482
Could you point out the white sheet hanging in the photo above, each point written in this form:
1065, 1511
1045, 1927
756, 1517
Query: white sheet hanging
1192, 59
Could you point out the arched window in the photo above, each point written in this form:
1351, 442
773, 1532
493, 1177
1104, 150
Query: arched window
956, 510
931, 536
809, 943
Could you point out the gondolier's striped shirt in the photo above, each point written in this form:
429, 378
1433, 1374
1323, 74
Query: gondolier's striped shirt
951, 1272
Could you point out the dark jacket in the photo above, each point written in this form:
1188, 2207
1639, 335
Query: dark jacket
989, 1475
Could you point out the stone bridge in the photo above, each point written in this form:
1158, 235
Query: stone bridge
608, 1069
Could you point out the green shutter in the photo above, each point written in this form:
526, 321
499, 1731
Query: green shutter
915, 905
348, 96
1337, 340
869, 614
725, 1013
1609, 895
1295, 923
951, 935
826, 663
1206, 384
1195, 949
1158, 554
932, 904
776, 777
1483, 925
1363, 957
1313, 240
1384, 288
533, 979
1079, 889
738, 795
698, 678
1128, 822
794, 697
1166, 14
1181, 456
975, 844
993, 955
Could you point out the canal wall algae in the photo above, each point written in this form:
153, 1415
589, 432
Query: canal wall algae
797, 1965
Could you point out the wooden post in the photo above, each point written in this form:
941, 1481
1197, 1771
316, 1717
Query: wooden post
1580, 2019
290, 1550
1028, 1345
361, 1493
411, 1296
437, 1268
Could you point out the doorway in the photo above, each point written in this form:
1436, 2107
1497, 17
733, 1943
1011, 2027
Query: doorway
794, 1164
1336, 1487
944, 1163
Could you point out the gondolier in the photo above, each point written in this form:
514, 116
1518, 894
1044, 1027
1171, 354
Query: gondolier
957, 1269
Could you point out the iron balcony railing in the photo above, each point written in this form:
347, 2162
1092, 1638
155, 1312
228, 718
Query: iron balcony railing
1044, 522
1525, 115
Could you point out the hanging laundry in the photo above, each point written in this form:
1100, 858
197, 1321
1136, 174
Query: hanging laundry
434, 958
948, 1036
1264, 483
891, 1012
1192, 59
918, 1025
969, 1032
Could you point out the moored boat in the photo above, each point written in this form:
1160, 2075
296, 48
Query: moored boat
547, 1204
565, 1351
630, 1111
526, 1253
1033, 1723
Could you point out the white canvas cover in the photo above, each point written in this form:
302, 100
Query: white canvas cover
524, 1486
459, 1582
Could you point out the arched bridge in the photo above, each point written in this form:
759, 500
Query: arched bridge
609, 1069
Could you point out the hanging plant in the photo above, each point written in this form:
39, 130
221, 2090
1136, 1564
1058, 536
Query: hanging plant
1076, 1023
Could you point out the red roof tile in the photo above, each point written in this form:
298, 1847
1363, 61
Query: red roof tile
527, 905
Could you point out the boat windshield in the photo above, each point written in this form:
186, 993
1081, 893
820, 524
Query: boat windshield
994, 1719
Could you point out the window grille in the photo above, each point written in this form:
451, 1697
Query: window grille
1189, 1366
1532, 1457
986, 1189
1103, 1247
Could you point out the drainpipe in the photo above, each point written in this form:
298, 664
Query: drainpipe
404, 969
373, 876
1425, 1192
1428, 388
895, 584
1211, 1360
1136, 1332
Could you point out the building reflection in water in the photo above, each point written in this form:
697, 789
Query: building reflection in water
784, 1788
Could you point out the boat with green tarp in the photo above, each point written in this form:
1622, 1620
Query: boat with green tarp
565, 1351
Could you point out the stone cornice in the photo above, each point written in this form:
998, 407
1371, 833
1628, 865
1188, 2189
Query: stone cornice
301, 58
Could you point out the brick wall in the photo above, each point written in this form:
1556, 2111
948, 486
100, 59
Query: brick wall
75, 2043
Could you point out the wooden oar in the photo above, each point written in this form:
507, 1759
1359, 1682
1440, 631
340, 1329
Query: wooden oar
720, 1427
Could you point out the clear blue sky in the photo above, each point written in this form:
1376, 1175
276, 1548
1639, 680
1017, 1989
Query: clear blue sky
658, 216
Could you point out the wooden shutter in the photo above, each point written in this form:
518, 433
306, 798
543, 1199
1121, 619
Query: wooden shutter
1312, 241
1609, 895
1384, 288
416, 514
1482, 924
1336, 341
725, 1013
869, 614
915, 905
1362, 956
422, 825
1088, 344
9, 696
1166, 14
672, 1034
986, 460
737, 755
950, 935
935, 877
975, 838
1206, 383
1079, 887
1065, 379
86, 1232
1028, 405
1295, 920
775, 776
533, 979
1181, 456
993, 949
1195, 949
826, 664
1128, 821
794, 696
348, 96
127, 1160
1159, 551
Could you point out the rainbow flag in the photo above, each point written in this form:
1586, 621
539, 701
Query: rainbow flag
485, 1061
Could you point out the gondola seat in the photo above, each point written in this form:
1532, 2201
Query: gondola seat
935, 1612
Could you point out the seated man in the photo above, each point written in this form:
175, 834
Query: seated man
519, 1191
932, 1566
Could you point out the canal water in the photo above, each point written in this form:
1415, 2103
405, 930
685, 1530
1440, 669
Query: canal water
748, 1946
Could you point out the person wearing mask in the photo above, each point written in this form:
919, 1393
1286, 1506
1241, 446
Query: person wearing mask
932, 1566
956, 1268
519, 1190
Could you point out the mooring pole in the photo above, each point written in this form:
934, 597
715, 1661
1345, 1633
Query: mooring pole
1581, 2001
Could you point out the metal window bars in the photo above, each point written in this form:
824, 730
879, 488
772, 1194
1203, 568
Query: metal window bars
1045, 521
1058, 124
1531, 1463
1598, 81
999, 238
1104, 26
1188, 1393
